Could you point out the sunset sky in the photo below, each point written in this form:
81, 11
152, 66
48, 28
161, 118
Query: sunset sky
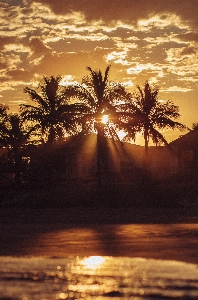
154, 40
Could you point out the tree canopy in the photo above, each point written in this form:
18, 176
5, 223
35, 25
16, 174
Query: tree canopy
145, 113
53, 110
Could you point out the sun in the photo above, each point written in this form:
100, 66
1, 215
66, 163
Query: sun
105, 119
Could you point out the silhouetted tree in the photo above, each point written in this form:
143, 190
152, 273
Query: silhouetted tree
195, 126
145, 113
3, 113
100, 97
53, 110
16, 135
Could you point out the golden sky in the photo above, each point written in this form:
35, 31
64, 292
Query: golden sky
154, 40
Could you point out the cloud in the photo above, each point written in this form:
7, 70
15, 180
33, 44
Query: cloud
182, 61
16, 48
153, 40
10, 60
3, 64
188, 51
138, 68
176, 89
37, 47
6, 40
19, 75
128, 10
17, 102
187, 37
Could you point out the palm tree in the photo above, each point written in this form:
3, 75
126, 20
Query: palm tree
3, 112
100, 97
148, 115
195, 126
15, 135
52, 110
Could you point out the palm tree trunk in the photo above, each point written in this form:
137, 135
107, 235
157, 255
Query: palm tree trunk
146, 141
51, 137
99, 171
145, 160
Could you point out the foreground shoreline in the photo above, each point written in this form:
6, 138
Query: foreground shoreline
130, 232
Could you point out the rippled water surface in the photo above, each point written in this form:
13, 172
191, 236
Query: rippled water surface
97, 277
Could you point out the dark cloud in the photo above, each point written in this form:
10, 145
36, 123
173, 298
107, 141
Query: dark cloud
188, 37
38, 38
6, 41
3, 65
188, 51
38, 47
19, 75
130, 10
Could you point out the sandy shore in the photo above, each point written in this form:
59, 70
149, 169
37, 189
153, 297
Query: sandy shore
119, 232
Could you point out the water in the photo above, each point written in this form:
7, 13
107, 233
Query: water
96, 277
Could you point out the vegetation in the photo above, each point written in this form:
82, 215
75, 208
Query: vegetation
16, 136
97, 105
52, 111
100, 97
195, 126
145, 113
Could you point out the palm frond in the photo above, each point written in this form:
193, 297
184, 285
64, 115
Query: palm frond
157, 137
36, 97
107, 74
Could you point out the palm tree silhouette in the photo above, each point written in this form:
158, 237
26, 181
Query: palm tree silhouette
16, 136
148, 115
52, 110
100, 97
3, 113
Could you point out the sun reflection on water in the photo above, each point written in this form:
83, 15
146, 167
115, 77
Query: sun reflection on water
93, 262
